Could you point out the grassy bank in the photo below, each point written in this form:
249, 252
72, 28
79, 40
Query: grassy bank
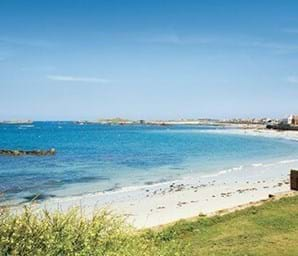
270, 229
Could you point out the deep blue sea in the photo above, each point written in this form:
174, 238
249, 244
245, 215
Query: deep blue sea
92, 158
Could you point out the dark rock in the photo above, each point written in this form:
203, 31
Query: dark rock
7, 152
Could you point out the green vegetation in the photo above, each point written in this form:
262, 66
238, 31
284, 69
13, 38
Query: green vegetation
70, 234
270, 229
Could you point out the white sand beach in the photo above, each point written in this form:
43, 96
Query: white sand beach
191, 196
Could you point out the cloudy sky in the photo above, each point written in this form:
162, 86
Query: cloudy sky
65, 60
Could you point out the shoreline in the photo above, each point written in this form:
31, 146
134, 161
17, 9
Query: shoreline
162, 203
280, 134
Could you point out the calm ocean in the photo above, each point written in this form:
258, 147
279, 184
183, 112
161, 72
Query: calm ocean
93, 158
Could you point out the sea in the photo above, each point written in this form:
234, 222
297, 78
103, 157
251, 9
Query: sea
94, 158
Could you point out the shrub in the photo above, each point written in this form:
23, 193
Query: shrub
69, 233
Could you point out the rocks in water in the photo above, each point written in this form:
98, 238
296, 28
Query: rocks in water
8, 152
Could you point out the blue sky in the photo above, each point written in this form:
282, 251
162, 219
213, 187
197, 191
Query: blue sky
65, 60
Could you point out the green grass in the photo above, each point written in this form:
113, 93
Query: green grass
270, 229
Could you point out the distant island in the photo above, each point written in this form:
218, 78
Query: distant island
18, 122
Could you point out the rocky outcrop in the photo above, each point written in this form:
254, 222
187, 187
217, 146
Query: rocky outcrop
8, 152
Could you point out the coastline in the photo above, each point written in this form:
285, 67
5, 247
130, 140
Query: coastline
163, 203
261, 131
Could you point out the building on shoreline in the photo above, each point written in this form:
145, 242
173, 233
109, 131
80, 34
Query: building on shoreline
290, 123
293, 120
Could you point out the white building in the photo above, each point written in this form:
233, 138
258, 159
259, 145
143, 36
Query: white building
293, 120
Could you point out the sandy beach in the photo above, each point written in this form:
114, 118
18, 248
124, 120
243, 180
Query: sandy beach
163, 203
260, 131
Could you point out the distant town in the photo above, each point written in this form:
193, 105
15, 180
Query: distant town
290, 123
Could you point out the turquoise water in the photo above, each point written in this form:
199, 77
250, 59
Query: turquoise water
93, 158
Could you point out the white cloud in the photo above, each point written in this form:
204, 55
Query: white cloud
176, 39
275, 46
244, 42
77, 79
39, 68
293, 79
291, 30
31, 42
171, 39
